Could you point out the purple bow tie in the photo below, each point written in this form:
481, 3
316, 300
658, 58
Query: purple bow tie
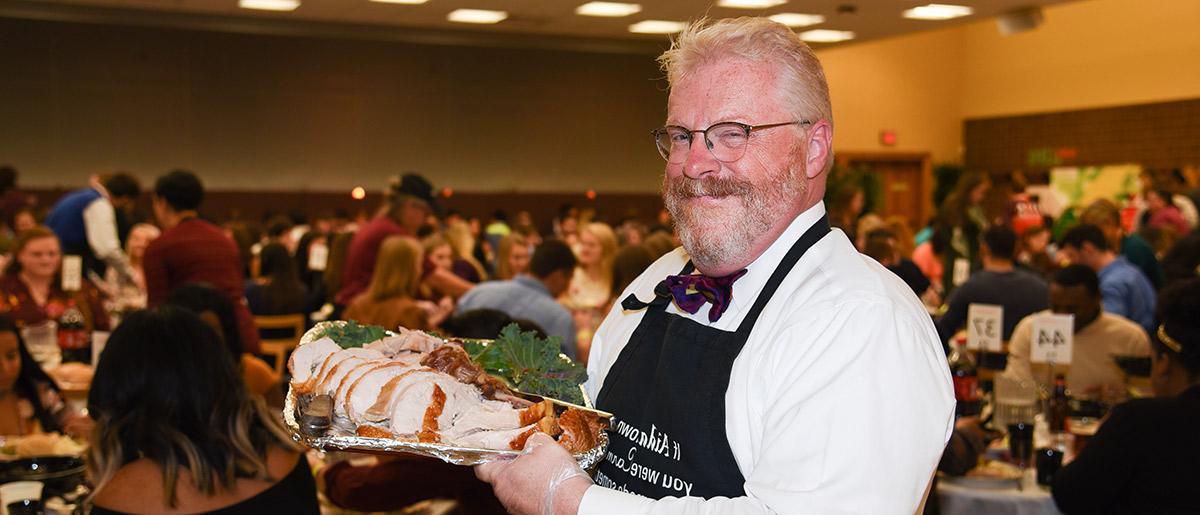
692, 291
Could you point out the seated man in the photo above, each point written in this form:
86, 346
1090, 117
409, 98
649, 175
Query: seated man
1125, 289
1098, 336
1000, 283
532, 297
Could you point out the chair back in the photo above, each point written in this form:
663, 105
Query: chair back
280, 347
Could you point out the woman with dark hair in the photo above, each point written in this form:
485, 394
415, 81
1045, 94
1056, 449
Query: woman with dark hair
177, 432
216, 310
312, 258
277, 290
1143, 458
29, 399
960, 222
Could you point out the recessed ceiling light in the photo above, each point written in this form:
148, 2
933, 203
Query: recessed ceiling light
826, 36
797, 19
657, 27
608, 9
938, 12
476, 16
270, 5
409, 2
750, 4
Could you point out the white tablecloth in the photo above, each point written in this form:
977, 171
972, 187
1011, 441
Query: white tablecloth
963, 500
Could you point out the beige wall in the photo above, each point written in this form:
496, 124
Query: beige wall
911, 85
249, 111
1095, 53
330, 114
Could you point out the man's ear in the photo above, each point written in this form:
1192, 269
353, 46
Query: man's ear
818, 149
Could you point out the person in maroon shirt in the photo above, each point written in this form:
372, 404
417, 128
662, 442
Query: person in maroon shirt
409, 203
192, 250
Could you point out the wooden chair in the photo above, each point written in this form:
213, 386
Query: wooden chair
280, 347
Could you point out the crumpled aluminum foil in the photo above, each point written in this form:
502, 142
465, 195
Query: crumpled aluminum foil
340, 438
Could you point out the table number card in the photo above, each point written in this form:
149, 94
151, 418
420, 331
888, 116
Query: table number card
984, 325
318, 257
72, 273
962, 271
1053, 339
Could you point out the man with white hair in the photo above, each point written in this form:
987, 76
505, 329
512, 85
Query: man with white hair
765, 366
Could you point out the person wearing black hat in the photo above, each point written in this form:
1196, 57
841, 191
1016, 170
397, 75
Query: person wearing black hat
409, 202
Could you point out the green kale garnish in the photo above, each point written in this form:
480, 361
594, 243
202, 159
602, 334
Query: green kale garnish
352, 334
530, 364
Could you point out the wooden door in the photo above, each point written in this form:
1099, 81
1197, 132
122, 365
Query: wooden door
905, 183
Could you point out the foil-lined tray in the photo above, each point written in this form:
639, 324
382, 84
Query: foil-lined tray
339, 437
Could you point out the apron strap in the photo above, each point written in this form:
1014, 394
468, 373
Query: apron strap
810, 238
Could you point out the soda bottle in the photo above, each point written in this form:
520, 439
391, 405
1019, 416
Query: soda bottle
1058, 407
73, 339
966, 381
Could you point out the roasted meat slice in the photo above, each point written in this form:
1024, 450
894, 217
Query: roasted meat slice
308, 357
453, 360
406, 340
429, 425
580, 429
364, 392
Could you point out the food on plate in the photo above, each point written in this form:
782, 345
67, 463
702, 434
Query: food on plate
42, 444
412, 386
72, 374
531, 364
994, 469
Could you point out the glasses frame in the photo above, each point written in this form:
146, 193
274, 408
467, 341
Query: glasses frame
749, 129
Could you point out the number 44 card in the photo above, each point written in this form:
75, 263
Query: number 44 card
1053, 339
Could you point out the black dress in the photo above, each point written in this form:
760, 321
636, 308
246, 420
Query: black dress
1142, 460
295, 494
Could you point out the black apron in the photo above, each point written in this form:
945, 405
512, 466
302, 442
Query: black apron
667, 393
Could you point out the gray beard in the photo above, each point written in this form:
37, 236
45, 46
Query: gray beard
715, 238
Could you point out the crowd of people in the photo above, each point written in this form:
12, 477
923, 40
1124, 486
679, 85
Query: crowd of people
177, 411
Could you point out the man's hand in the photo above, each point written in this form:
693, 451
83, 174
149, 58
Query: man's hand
544, 480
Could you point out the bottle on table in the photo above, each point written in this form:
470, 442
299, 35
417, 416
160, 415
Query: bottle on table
966, 381
73, 337
1058, 407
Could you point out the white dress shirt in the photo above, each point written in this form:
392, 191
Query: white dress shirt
100, 227
840, 401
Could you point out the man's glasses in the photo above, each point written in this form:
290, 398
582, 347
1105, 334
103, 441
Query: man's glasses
726, 140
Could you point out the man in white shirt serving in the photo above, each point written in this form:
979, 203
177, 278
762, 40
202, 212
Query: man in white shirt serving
765, 366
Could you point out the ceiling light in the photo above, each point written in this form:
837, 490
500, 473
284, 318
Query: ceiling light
657, 27
826, 36
797, 19
608, 9
750, 4
270, 5
476, 16
938, 12
409, 2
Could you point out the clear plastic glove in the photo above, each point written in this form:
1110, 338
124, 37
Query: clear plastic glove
545, 480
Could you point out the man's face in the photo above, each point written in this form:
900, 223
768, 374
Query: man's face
1074, 300
413, 214
1073, 255
720, 208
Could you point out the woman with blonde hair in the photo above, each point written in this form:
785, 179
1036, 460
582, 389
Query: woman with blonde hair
176, 431
512, 257
590, 286
391, 298
462, 246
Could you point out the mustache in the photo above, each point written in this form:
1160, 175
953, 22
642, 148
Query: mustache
683, 187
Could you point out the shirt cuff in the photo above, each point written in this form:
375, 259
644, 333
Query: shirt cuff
602, 501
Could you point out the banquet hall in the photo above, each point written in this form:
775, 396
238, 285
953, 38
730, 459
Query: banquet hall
192, 180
